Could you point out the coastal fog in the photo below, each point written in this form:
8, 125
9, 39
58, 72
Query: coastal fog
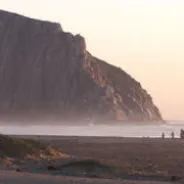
96, 130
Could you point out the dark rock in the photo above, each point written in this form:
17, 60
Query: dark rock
48, 73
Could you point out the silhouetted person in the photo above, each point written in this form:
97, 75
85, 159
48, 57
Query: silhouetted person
172, 135
163, 135
181, 134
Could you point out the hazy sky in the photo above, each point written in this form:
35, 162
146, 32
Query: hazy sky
143, 37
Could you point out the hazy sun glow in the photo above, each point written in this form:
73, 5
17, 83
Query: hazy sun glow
144, 37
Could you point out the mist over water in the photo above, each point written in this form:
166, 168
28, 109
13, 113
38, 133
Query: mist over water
95, 130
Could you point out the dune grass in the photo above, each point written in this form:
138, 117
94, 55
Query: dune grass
87, 168
14, 147
18, 148
89, 163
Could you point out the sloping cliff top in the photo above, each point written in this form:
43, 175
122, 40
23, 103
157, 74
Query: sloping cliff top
46, 72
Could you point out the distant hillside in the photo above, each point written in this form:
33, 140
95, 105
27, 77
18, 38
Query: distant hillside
48, 73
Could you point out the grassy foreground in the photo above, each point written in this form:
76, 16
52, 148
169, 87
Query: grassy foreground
12, 148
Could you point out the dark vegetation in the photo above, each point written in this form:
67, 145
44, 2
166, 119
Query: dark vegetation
20, 148
84, 168
14, 147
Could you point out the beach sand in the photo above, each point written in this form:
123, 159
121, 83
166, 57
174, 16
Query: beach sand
154, 160
149, 155
9, 177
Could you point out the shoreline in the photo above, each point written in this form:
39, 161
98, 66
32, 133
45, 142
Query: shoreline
92, 138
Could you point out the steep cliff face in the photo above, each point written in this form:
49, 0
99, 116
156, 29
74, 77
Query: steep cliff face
45, 71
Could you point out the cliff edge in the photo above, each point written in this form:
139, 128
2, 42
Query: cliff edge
46, 72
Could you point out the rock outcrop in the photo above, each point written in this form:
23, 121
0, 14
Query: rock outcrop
46, 72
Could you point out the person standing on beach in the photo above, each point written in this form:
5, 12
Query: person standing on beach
172, 135
181, 134
163, 135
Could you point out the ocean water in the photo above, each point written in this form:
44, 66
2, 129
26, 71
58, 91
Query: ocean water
97, 130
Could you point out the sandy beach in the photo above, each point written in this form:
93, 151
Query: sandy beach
8, 177
149, 155
134, 160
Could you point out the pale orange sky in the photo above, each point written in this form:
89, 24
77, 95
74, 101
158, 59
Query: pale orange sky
143, 37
